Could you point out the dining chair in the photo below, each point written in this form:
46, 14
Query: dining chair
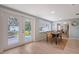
59, 39
49, 37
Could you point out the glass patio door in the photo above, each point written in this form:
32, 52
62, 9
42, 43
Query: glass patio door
16, 30
27, 29
13, 30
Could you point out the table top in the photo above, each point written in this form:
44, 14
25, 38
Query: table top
56, 32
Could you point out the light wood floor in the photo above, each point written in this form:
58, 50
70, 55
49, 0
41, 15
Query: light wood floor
42, 47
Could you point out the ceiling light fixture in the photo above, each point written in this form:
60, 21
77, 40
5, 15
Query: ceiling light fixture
52, 12
60, 18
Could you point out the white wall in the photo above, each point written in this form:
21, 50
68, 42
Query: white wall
37, 34
1, 33
74, 31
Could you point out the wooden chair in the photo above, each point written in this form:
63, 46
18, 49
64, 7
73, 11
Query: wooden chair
49, 37
60, 38
57, 38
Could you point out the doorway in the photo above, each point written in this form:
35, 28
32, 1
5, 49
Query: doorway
16, 29
13, 30
27, 29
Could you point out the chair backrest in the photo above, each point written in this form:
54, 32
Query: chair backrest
49, 34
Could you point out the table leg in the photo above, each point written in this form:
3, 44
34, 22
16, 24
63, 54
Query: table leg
56, 41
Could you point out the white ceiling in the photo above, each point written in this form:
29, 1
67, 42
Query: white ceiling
61, 11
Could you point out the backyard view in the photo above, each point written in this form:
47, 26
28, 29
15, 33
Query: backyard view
27, 32
13, 30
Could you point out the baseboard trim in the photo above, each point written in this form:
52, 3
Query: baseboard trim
74, 38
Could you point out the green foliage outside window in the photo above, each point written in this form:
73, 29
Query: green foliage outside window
27, 29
